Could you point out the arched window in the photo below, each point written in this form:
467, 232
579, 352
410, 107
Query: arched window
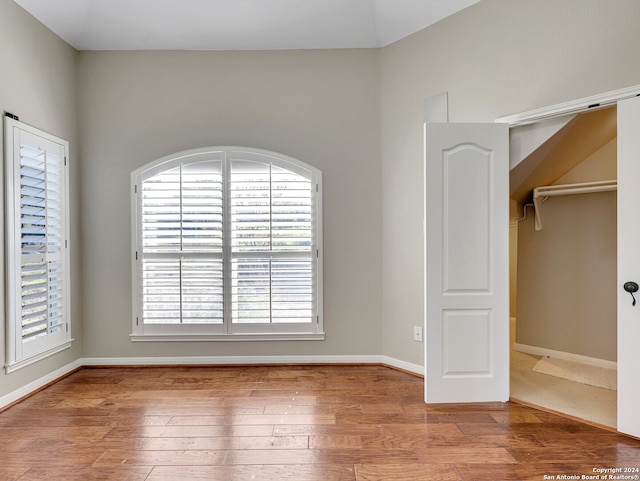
227, 243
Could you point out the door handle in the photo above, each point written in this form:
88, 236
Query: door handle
631, 287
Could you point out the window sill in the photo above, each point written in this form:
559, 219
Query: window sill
14, 366
291, 336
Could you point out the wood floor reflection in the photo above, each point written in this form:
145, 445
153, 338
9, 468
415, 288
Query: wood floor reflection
302, 423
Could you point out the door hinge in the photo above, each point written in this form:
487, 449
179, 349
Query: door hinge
65, 160
136, 255
135, 188
67, 327
66, 244
137, 321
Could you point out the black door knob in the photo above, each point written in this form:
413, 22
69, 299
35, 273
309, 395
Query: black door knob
631, 287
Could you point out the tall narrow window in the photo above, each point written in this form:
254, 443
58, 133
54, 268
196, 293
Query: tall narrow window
227, 244
37, 246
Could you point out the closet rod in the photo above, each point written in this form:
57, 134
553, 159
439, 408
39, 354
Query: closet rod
541, 193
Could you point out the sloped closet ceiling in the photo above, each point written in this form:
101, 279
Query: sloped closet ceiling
568, 147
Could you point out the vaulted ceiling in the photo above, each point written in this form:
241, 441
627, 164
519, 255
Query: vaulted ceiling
237, 24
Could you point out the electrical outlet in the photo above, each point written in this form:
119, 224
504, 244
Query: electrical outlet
417, 333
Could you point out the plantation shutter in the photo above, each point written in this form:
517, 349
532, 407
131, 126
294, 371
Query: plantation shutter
37, 232
227, 243
42, 236
271, 235
182, 239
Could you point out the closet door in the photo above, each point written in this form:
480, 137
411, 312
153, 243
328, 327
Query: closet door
467, 272
628, 265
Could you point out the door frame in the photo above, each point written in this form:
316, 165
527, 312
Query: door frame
578, 106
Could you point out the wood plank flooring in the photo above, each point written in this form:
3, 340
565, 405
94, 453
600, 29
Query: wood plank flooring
289, 423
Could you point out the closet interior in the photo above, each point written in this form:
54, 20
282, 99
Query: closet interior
563, 265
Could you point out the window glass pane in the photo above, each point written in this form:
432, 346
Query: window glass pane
161, 212
34, 299
42, 237
202, 206
250, 206
292, 290
291, 211
182, 209
161, 291
272, 290
202, 292
33, 201
270, 208
177, 291
251, 290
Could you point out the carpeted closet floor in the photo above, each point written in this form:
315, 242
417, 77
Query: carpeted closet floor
592, 404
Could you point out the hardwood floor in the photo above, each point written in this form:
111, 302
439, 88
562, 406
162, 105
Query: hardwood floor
297, 423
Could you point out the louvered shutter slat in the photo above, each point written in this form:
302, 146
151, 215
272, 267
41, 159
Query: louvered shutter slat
271, 212
41, 233
161, 291
202, 292
182, 212
292, 285
202, 207
250, 206
161, 212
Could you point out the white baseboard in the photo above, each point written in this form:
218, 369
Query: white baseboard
405, 366
257, 360
203, 360
227, 360
32, 387
566, 356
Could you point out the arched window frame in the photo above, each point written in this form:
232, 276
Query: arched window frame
230, 327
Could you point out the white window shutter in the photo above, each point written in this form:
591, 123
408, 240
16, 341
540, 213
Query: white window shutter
235, 245
37, 253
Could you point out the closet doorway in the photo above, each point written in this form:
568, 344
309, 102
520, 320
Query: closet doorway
534, 123
563, 266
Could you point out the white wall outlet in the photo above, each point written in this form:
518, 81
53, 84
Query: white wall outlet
417, 333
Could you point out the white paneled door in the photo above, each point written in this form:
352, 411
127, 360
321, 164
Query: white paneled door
628, 265
467, 272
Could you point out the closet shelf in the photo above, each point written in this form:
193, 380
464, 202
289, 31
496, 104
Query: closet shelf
541, 193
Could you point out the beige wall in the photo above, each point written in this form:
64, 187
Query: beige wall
495, 58
567, 277
38, 83
321, 107
566, 284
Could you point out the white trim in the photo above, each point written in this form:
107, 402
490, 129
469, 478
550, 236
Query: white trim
34, 386
39, 383
12, 367
566, 356
574, 106
227, 360
405, 366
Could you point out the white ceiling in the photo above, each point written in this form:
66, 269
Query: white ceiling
237, 24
